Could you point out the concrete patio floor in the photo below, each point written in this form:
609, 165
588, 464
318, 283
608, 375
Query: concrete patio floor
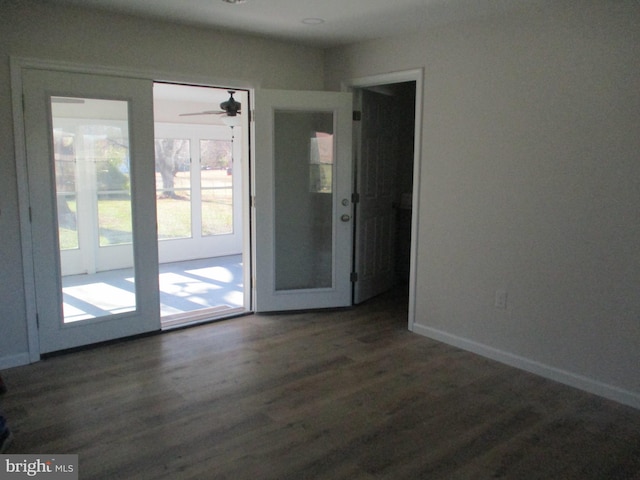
190, 290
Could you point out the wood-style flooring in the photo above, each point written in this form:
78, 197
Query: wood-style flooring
347, 394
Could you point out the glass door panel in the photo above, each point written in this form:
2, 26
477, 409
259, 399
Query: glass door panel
303, 163
93, 197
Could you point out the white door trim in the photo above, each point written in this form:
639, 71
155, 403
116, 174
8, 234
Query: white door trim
417, 76
23, 208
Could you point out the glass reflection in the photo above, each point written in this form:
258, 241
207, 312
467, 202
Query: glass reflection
303, 156
93, 198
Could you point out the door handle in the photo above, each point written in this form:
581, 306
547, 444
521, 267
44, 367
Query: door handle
345, 217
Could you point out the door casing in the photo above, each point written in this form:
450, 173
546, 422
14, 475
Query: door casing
416, 76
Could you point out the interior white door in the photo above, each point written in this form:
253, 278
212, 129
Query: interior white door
375, 213
302, 200
91, 133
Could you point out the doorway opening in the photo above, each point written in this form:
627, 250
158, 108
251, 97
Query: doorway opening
200, 165
385, 152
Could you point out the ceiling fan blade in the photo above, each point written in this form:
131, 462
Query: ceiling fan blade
206, 112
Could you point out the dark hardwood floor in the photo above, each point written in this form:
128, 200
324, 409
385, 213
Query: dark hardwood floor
345, 394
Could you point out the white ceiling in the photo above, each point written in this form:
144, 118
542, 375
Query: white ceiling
344, 21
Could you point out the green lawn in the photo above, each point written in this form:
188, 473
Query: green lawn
174, 219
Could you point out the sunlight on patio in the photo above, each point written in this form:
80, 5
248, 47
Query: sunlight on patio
185, 287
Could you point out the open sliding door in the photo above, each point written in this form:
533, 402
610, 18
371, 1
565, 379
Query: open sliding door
91, 177
302, 202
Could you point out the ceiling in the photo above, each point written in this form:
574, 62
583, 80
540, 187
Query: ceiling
320, 23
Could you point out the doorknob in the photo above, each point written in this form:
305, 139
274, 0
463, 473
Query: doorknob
345, 217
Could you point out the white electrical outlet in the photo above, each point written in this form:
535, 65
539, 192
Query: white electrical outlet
501, 299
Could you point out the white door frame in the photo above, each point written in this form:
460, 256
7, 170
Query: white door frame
417, 76
17, 65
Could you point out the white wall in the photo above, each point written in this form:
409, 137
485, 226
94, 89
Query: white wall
530, 183
37, 30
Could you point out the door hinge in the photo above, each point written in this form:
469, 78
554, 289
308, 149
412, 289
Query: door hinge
355, 197
30, 217
252, 201
357, 115
354, 277
37, 321
23, 102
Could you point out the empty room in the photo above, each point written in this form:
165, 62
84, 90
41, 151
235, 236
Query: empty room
321, 239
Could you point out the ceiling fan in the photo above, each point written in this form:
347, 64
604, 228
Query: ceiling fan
230, 108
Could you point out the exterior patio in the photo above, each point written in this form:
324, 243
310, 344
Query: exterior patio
190, 291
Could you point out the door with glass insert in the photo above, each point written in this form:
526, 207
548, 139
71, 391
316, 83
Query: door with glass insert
302, 180
92, 197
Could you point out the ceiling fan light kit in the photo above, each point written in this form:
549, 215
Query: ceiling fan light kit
231, 121
234, 2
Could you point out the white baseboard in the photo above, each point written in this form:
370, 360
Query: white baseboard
587, 384
9, 361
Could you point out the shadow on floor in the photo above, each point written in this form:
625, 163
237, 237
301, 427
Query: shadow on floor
212, 284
